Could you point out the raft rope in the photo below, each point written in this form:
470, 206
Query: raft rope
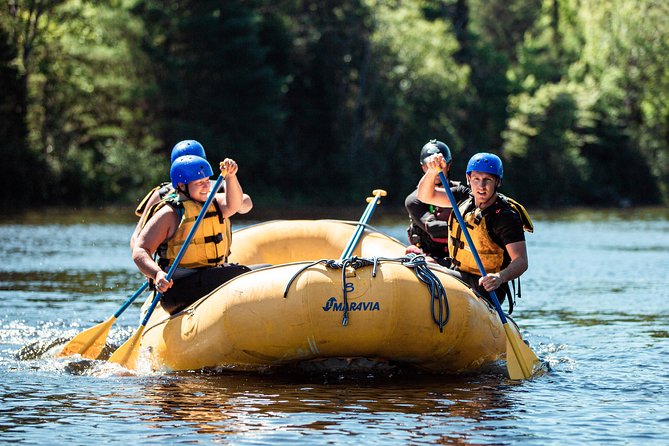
434, 285
437, 291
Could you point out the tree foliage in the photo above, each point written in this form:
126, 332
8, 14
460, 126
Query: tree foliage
13, 128
322, 101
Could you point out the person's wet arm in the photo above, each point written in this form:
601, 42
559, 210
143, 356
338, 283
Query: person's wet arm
231, 202
427, 192
247, 204
155, 198
158, 229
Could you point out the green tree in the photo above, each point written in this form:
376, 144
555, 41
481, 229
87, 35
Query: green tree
19, 163
82, 76
321, 101
414, 90
326, 69
367, 84
576, 111
489, 33
542, 144
625, 50
563, 141
549, 46
213, 82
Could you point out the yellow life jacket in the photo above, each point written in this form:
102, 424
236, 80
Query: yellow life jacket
163, 189
525, 219
210, 245
490, 253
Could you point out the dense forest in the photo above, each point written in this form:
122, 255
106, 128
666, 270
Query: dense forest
322, 101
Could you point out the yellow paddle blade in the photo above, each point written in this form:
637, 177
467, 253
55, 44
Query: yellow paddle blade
520, 359
126, 355
89, 343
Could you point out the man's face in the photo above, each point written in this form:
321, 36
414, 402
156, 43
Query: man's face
483, 186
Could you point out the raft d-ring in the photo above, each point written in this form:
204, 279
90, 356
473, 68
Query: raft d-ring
350, 271
188, 324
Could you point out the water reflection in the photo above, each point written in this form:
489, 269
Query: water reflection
71, 282
599, 318
225, 405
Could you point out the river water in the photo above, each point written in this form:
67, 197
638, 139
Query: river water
594, 306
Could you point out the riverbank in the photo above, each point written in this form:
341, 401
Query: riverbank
383, 215
126, 214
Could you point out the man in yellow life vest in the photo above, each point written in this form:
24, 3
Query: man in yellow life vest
182, 148
166, 225
493, 224
428, 224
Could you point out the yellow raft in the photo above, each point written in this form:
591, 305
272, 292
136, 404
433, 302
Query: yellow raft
300, 311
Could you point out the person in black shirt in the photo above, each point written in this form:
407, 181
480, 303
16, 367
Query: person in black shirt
428, 224
493, 224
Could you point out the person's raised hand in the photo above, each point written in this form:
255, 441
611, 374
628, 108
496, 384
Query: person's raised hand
436, 162
228, 167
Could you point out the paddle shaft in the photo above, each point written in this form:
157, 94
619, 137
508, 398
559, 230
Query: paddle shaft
356, 234
131, 299
182, 251
364, 219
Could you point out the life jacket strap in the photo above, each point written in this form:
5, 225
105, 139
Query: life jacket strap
214, 238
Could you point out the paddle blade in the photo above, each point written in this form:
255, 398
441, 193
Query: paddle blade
89, 343
126, 355
520, 359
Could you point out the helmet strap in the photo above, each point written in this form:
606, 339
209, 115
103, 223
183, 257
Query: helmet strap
184, 190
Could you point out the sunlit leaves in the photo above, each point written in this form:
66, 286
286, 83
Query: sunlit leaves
563, 89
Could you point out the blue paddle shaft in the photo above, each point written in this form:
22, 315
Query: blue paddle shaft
347, 250
463, 226
364, 219
182, 251
131, 299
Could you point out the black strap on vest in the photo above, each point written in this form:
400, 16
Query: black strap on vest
214, 238
221, 219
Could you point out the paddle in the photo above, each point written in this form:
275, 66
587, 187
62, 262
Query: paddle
126, 355
89, 343
366, 216
520, 359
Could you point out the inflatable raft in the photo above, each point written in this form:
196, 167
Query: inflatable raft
308, 305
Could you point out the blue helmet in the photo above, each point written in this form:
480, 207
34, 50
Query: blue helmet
187, 147
189, 168
432, 147
486, 162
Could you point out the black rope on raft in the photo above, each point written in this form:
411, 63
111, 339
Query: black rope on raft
355, 263
438, 297
328, 263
